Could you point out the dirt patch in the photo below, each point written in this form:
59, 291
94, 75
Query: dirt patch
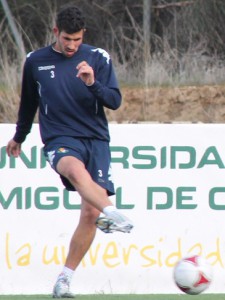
194, 104
204, 104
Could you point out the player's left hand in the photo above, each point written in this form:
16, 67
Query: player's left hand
85, 73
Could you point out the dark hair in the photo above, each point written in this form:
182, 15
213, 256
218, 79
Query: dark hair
70, 19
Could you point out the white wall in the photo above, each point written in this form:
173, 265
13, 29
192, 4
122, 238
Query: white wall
185, 163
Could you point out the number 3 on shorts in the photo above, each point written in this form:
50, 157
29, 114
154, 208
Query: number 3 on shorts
100, 173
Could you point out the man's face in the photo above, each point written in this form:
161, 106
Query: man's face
66, 43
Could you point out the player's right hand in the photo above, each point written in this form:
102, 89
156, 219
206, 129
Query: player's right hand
13, 148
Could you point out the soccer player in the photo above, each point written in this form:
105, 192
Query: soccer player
71, 83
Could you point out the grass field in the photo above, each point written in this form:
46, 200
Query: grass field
121, 297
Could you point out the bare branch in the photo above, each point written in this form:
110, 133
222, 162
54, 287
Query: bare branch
173, 4
134, 24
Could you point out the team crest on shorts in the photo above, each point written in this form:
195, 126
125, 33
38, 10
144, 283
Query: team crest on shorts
62, 150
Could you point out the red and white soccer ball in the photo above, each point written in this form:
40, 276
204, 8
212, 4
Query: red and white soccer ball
193, 274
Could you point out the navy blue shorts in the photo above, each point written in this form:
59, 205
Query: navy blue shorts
95, 154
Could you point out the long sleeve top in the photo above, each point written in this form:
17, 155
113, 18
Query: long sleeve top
67, 107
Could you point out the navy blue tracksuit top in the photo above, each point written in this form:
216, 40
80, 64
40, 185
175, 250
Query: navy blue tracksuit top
67, 107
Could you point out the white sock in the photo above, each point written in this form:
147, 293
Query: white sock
112, 212
66, 272
108, 209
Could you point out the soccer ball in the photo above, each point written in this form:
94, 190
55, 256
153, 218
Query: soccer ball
193, 275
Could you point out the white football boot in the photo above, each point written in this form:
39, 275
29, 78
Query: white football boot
115, 222
61, 289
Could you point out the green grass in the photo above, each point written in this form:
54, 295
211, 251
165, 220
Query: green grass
121, 297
